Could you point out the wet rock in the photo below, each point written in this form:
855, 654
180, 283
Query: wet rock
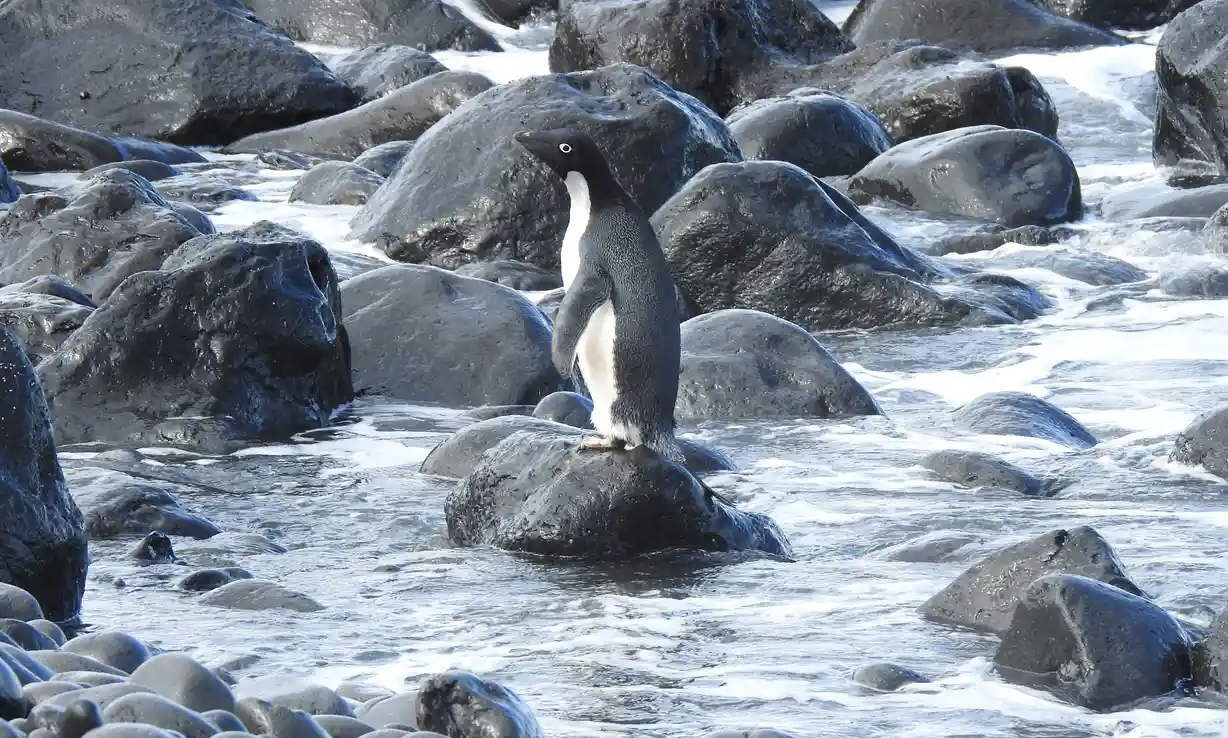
423, 334
257, 594
385, 158
404, 114
739, 364
362, 692
1157, 200
25, 666
31, 144
1083, 265
52, 286
1092, 644
117, 504
340, 726
295, 694
988, 238
986, 26
95, 233
824, 134
430, 25
976, 470
393, 709
9, 191
204, 580
149, 170
51, 630
74, 71
129, 730
79, 718
61, 661
102, 696
512, 12
758, 733
1199, 281
159, 151
931, 548
154, 548
378, 70
1011, 177
111, 647
41, 691
153, 709
1205, 443
458, 455
204, 193
887, 677
1134, 15
1021, 414
88, 678
224, 720
25, 635
265, 718
1210, 662
43, 548
336, 183
460, 703
283, 160
1191, 131
510, 273
12, 700
568, 408
984, 597
488, 412
467, 192
264, 301
1215, 231
536, 492
181, 679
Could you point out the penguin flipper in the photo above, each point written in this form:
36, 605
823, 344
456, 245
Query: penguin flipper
589, 291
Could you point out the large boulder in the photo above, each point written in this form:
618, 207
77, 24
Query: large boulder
39, 319
977, 470
1011, 177
186, 71
741, 364
422, 334
1191, 126
1092, 644
824, 134
987, 26
238, 337
1133, 15
378, 70
95, 233
1205, 443
459, 703
1159, 200
429, 25
118, 504
467, 192
537, 492
31, 144
768, 236
336, 183
401, 115
984, 597
1211, 657
42, 534
1023, 414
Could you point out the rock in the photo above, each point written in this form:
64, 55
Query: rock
257, 594
515, 274
12, 699
79, 718
361, 692
987, 26
60, 661
1215, 231
224, 720
112, 648
567, 408
25, 635
376, 71
467, 192
759, 733
41, 691
460, 703
88, 678
153, 709
404, 114
984, 597
204, 580
181, 679
52, 286
792, 247
95, 233
488, 412
429, 25
1158, 200
31, 144
886, 677
459, 454
40, 323
1079, 264
535, 492
158, 151
1211, 657
395, 709
1092, 644
102, 696
1022, 414
43, 547
423, 334
977, 470
336, 183
51, 630
117, 504
218, 77
129, 730
295, 694
154, 548
385, 158
1199, 281
1133, 15
149, 170
340, 726
265, 718
1011, 177
9, 191
1205, 443
987, 237
740, 364
931, 548
264, 301
25, 666
1191, 131
512, 12
281, 159
824, 134
205, 193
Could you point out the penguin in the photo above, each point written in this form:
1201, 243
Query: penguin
619, 319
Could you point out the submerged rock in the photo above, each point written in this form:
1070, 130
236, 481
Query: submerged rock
1022, 414
204, 580
1205, 443
154, 548
118, 504
975, 469
1198, 281
430, 25
205, 193
152, 171
1158, 200
460, 703
378, 70
886, 677
258, 594
1215, 231
336, 183
40, 323
931, 548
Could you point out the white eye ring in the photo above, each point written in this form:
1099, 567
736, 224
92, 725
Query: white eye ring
565, 148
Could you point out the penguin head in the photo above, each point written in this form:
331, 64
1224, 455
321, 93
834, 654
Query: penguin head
564, 150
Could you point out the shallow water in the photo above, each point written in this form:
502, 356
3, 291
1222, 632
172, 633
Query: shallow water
672, 649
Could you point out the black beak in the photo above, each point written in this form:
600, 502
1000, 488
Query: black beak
532, 143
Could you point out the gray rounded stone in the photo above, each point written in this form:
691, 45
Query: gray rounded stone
153, 709
26, 636
111, 647
51, 630
18, 604
341, 726
178, 677
259, 594
886, 677
59, 661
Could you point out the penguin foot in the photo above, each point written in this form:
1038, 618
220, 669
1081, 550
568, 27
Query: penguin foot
600, 443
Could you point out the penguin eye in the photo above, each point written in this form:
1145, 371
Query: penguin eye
565, 148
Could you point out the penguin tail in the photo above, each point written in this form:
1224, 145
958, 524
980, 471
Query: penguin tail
667, 448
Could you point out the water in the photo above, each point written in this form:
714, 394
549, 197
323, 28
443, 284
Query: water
674, 649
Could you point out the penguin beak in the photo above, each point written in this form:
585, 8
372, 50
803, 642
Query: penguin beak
533, 144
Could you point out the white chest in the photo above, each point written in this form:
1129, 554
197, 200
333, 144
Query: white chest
577, 223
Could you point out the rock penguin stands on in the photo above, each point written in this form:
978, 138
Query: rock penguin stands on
619, 316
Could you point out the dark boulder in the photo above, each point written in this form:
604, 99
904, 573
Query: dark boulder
39, 322
42, 532
463, 704
283, 160
1191, 128
1022, 414
1081, 264
1205, 443
886, 677
538, 493
385, 158
152, 171
1131, 15
404, 114
1199, 281
984, 597
205, 580
512, 12
1158, 200
938, 546
204, 193
744, 364
515, 274
986, 26
1012, 177
259, 594
976, 470
95, 233
430, 25
155, 548
467, 192
379, 70
987, 237
568, 408
138, 149
117, 504
824, 134
31, 144
336, 183
185, 71
424, 334
239, 336
1093, 645
1211, 657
